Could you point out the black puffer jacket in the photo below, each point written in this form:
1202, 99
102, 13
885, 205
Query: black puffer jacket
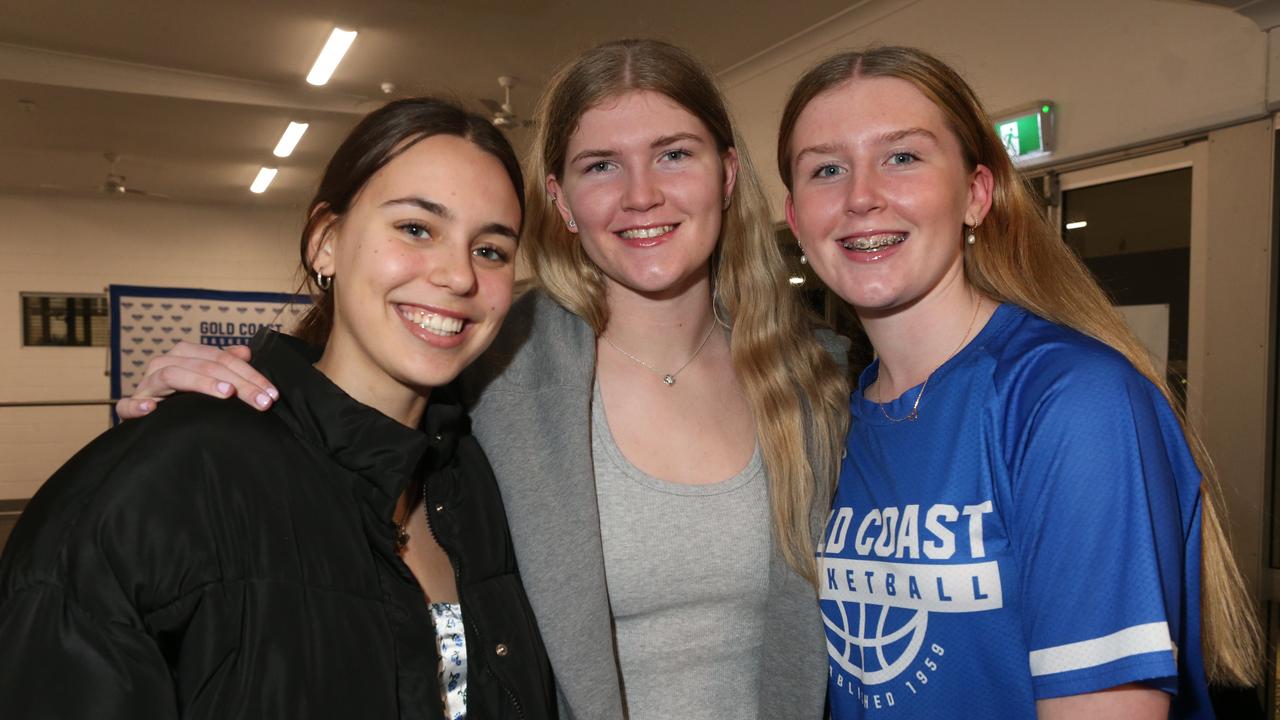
210, 561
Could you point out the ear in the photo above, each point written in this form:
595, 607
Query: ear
730, 161
320, 244
556, 193
789, 206
981, 187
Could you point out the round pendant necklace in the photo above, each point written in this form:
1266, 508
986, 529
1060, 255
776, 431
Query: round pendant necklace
915, 406
668, 378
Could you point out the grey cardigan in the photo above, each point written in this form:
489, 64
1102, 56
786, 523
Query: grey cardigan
530, 404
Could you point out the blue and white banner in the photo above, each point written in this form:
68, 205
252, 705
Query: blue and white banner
146, 321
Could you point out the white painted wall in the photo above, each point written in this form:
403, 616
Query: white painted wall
1120, 71
83, 245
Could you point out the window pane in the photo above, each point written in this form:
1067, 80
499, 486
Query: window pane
1135, 236
52, 319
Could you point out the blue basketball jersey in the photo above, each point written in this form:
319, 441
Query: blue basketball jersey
1035, 533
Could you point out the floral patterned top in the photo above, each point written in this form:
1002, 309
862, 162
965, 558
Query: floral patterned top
453, 658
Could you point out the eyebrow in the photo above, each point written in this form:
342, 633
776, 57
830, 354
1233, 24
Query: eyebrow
500, 229
896, 135
885, 139
663, 141
434, 208
439, 210
666, 140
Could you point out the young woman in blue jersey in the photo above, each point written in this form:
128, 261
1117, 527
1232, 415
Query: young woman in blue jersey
1024, 525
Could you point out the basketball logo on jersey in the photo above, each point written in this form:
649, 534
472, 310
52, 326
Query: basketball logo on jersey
882, 574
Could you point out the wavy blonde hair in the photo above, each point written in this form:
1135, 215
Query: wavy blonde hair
797, 395
1021, 259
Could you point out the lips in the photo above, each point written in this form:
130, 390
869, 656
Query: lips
432, 321
647, 236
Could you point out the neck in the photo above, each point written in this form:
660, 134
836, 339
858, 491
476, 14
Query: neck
914, 340
664, 331
371, 386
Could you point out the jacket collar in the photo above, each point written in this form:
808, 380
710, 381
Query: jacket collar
359, 438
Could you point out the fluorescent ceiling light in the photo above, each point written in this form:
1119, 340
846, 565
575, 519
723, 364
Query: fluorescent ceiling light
289, 140
330, 56
797, 280
1077, 225
260, 183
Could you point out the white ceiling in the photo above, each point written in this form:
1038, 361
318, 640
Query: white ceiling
192, 96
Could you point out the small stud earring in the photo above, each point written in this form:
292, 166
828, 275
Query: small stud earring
572, 224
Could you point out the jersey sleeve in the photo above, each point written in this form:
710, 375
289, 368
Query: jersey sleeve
1105, 501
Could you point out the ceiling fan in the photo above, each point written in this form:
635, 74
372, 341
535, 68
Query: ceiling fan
113, 184
504, 115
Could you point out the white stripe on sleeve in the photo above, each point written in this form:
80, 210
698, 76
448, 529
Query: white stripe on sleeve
1136, 640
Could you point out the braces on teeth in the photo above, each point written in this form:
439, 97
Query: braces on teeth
874, 242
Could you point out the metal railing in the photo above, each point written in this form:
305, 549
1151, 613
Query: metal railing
54, 403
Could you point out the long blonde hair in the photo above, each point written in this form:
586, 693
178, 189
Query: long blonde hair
1021, 259
796, 393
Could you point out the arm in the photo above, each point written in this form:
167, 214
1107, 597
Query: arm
59, 661
1126, 702
1104, 501
189, 367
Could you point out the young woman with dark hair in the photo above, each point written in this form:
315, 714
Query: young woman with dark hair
345, 554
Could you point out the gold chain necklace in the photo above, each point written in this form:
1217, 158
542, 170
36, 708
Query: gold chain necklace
915, 406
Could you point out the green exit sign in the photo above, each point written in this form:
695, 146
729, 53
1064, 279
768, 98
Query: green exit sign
1027, 133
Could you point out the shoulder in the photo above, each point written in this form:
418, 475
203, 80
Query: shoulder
1034, 357
132, 506
172, 439
1055, 387
836, 345
144, 473
541, 345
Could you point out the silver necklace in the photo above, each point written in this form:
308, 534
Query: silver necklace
668, 378
915, 406
402, 526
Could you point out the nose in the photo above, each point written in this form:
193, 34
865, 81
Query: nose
452, 269
864, 192
641, 192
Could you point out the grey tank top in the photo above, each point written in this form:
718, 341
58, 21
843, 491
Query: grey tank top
687, 573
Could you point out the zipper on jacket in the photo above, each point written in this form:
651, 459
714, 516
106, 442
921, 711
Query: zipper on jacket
457, 583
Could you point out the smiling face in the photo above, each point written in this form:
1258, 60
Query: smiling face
423, 266
645, 186
881, 194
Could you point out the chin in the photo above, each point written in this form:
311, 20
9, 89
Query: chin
665, 281
863, 301
425, 378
